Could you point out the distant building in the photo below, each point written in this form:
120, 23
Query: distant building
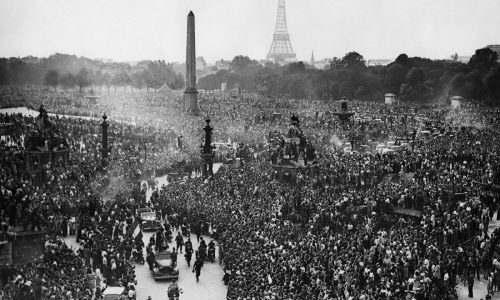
104, 60
223, 65
456, 101
389, 98
30, 60
378, 62
495, 48
211, 69
322, 64
312, 62
264, 62
179, 68
463, 59
201, 64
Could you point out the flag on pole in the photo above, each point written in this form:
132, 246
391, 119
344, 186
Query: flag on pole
135, 231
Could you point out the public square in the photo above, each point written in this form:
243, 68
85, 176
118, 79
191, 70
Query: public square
249, 150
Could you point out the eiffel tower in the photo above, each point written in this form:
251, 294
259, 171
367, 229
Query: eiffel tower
281, 49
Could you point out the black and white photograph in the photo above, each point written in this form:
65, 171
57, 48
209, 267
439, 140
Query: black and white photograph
249, 150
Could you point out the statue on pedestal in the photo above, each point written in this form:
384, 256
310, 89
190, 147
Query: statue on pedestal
44, 147
292, 155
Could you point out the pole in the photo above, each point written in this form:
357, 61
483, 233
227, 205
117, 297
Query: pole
104, 126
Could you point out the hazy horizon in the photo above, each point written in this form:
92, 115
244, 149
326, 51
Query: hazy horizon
130, 30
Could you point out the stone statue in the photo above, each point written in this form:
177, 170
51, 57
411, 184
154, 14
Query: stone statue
45, 127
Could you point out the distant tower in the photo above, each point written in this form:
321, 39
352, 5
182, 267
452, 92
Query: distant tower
190, 93
281, 49
312, 62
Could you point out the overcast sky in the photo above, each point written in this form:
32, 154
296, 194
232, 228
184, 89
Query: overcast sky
125, 30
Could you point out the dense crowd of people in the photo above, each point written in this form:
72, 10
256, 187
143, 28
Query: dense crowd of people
410, 221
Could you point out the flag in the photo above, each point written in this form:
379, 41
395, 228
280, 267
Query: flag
135, 231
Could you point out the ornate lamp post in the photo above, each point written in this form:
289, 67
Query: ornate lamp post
104, 126
207, 151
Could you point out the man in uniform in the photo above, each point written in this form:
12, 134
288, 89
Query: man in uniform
159, 239
173, 257
189, 252
470, 282
179, 240
198, 264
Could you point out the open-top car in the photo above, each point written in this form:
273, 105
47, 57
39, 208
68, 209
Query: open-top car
164, 268
148, 219
113, 293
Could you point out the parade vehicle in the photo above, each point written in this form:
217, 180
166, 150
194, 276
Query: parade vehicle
164, 269
113, 293
148, 219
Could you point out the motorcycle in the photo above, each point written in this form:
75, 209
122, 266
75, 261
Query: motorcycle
186, 230
173, 292
138, 257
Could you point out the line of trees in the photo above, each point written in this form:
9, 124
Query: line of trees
69, 71
413, 79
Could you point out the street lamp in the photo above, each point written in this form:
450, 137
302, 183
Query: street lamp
207, 150
104, 126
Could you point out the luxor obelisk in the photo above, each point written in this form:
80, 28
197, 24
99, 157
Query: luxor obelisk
190, 93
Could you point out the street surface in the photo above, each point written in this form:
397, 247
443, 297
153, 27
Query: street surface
480, 286
210, 286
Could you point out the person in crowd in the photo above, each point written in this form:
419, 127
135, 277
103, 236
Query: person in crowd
173, 257
189, 254
198, 264
179, 240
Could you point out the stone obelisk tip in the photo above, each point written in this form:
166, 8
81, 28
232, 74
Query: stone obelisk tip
190, 93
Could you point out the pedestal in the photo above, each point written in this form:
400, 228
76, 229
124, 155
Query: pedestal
207, 165
191, 101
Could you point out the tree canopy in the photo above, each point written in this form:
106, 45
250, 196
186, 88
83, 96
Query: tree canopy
412, 79
70, 70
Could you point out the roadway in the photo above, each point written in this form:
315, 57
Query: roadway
210, 286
